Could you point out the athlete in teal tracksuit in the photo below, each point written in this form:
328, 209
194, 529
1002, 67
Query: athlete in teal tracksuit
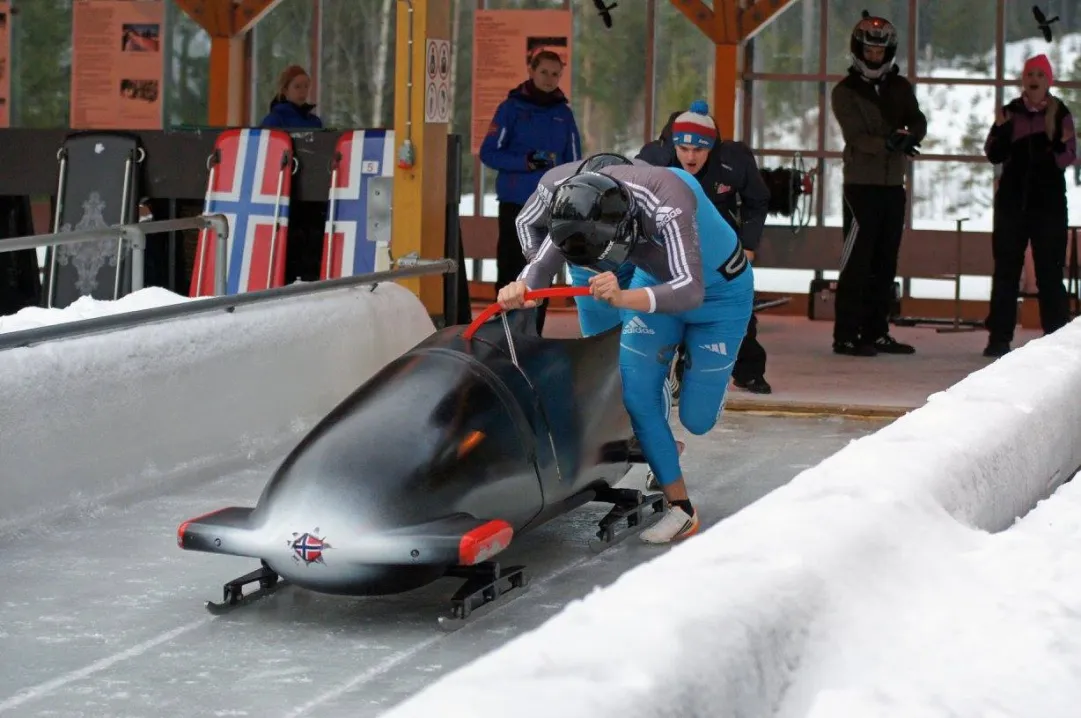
594, 317
692, 285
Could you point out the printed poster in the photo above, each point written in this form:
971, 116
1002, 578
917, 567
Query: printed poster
5, 63
117, 64
503, 43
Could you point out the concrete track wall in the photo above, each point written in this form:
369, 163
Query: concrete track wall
98, 415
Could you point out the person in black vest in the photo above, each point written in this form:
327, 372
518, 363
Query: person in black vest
730, 177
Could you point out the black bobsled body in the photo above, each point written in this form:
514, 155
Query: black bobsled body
436, 462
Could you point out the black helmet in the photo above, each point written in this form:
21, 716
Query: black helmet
872, 31
601, 160
592, 221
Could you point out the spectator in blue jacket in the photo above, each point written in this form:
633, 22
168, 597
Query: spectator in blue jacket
289, 109
533, 130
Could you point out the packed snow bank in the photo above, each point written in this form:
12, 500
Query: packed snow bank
954, 622
90, 416
732, 621
89, 308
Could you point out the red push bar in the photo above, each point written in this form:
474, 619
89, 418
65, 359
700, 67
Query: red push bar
494, 309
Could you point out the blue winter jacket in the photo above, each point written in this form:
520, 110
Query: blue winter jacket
528, 121
287, 116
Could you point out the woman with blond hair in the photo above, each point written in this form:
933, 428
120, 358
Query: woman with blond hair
289, 108
1033, 139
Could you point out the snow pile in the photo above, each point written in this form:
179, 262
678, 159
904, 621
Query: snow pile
955, 623
769, 608
83, 417
89, 308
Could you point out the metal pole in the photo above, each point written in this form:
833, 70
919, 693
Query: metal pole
221, 261
28, 337
956, 328
138, 258
216, 221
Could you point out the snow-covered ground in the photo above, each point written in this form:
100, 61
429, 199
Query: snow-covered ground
88, 308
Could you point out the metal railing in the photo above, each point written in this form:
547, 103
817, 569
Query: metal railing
136, 234
409, 266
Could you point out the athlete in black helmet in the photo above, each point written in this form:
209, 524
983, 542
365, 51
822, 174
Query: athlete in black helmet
882, 125
594, 316
692, 285
593, 222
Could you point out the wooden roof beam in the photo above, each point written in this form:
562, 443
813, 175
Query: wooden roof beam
250, 12
729, 24
226, 18
761, 13
697, 12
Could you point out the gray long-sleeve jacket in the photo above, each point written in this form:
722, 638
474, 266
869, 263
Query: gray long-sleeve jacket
667, 209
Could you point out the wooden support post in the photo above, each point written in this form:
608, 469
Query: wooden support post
726, 74
227, 22
419, 202
729, 26
226, 100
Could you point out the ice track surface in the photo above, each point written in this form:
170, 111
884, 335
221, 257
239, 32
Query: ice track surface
103, 615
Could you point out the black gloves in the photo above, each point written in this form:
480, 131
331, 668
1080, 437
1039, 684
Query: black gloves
902, 141
537, 160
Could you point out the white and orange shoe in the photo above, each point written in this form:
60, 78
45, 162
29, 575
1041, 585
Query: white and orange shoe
676, 525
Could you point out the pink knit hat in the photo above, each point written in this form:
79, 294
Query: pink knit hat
1040, 62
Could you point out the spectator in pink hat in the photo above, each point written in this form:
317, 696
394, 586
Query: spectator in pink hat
1034, 140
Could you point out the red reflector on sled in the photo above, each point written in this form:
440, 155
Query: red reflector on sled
483, 542
183, 528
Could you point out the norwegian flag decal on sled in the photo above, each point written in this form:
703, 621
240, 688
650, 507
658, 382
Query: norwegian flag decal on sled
356, 237
250, 180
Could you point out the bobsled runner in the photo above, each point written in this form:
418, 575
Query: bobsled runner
432, 468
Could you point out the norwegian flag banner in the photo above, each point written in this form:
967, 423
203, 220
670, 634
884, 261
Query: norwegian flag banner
250, 181
348, 247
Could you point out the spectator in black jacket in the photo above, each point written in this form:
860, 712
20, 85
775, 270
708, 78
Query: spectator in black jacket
1034, 139
729, 175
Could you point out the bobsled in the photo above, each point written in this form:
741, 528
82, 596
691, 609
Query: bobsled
437, 463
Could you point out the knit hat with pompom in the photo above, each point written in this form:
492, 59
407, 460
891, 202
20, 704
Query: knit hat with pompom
695, 127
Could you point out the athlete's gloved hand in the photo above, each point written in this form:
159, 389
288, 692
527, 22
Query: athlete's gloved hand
512, 296
605, 287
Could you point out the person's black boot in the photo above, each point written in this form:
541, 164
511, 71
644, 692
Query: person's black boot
854, 349
888, 345
755, 385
